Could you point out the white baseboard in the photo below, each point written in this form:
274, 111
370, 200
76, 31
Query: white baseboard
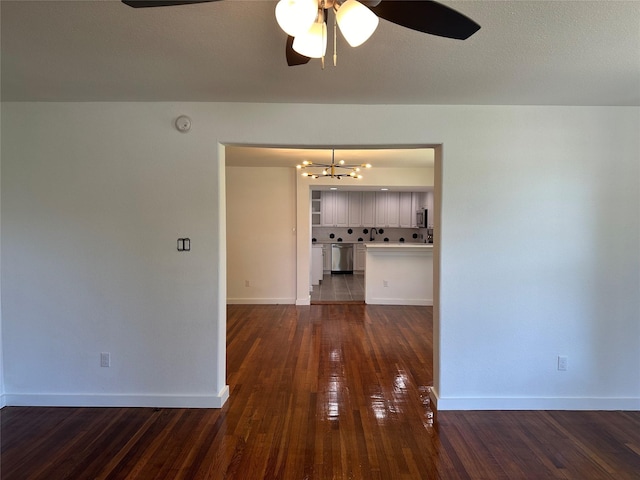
90, 400
261, 301
3, 401
400, 301
303, 301
534, 403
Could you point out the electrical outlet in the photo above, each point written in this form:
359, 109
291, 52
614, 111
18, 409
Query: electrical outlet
105, 359
562, 362
385, 283
247, 283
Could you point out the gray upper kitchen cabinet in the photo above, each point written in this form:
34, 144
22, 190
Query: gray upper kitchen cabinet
368, 209
342, 209
355, 209
362, 209
328, 209
407, 214
316, 204
334, 209
387, 209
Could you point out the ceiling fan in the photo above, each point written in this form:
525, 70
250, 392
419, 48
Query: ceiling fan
307, 38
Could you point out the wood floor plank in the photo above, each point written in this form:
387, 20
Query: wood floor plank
320, 392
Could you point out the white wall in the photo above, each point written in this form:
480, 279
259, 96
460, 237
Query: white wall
261, 224
2, 399
540, 247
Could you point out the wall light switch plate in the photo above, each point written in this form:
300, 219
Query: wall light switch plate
105, 359
563, 361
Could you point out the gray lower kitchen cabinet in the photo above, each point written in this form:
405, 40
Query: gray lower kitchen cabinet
316, 264
326, 257
360, 257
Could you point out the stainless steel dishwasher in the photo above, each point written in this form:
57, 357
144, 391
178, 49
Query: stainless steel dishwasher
341, 258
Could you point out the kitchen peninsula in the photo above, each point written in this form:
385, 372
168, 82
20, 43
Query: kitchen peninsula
399, 274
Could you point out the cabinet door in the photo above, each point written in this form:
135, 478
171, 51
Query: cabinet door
360, 258
368, 209
381, 209
326, 257
407, 216
328, 209
316, 205
393, 209
316, 264
341, 217
355, 209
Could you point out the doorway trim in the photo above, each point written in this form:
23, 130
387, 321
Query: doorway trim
303, 248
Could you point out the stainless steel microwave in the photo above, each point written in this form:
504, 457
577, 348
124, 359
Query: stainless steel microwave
422, 218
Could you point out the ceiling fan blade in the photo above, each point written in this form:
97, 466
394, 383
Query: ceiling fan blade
162, 3
428, 17
293, 57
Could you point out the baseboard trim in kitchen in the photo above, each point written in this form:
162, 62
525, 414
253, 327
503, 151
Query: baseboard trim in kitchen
400, 301
337, 302
261, 301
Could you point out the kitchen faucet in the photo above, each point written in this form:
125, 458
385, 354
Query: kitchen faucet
371, 236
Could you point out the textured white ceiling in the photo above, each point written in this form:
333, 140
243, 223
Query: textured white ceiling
527, 53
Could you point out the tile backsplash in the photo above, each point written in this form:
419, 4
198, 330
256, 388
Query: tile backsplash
341, 234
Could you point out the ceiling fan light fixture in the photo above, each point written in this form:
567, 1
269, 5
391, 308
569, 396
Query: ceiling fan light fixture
296, 16
313, 42
357, 23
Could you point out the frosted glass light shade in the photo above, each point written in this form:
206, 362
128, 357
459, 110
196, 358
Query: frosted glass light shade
296, 16
357, 23
313, 42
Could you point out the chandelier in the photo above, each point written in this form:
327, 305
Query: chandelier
333, 169
305, 21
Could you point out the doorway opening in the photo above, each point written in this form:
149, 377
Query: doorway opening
273, 265
271, 220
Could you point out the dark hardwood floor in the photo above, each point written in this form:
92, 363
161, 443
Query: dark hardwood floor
320, 392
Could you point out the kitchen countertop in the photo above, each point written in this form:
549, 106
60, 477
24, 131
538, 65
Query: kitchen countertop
397, 245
